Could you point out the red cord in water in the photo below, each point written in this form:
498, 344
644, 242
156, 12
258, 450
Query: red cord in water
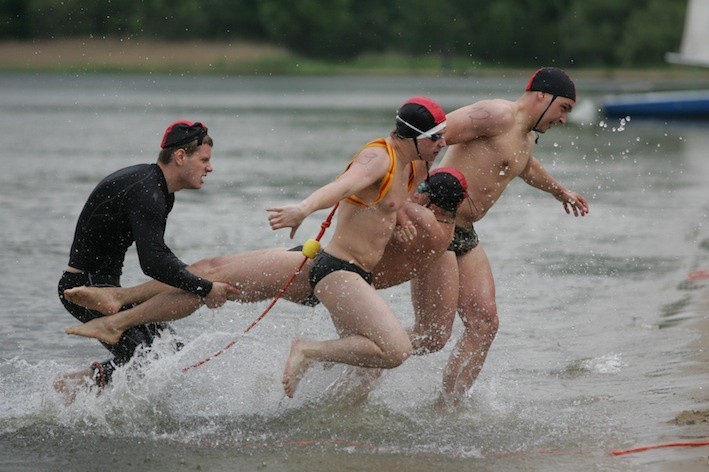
325, 224
658, 446
699, 274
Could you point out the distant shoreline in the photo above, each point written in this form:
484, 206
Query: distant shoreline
97, 55
114, 55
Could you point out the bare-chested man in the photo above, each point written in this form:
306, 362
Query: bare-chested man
491, 143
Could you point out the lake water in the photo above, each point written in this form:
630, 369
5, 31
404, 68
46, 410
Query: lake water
599, 340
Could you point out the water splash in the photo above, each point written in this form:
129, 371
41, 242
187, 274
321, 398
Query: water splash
603, 365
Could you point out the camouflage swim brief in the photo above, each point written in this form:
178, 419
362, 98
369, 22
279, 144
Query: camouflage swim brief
464, 240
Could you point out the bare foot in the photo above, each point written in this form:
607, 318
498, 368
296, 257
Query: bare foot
101, 299
447, 403
296, 365
98, 329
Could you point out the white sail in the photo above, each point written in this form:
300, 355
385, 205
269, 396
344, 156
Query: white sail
694, 49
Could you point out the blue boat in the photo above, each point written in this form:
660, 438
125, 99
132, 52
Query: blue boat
689, 104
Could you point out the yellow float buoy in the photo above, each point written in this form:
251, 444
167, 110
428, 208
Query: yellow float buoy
311, 248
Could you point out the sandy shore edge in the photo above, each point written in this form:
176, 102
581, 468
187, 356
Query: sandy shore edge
130, 54
100, 54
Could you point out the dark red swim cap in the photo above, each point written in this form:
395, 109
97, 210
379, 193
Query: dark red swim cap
554, 81
182, 132
446, 188
419, 115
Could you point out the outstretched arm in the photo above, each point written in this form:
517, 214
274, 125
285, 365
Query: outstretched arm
366, 169
291, 216
538, 177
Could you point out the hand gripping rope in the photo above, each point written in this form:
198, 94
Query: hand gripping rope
310, 250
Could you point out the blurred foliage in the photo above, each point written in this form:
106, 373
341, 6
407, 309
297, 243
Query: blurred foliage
601, 33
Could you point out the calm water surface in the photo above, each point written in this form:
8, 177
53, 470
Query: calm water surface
597, 344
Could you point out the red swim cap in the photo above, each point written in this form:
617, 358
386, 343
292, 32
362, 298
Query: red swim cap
419, 116
446, 188
183, 132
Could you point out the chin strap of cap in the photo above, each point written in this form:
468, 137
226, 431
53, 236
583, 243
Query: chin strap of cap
534, 128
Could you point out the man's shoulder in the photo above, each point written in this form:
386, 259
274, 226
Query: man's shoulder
491, 104
135, 179
375, 156
499, 109
135, 171
484, 118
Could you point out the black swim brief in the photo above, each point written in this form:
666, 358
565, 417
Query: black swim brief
311, 300
464, 240
325, 264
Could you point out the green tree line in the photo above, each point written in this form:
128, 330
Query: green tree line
582, 33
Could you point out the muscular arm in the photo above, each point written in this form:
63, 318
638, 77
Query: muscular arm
433, 234
537, 176
403, 259
366, 169
147, 218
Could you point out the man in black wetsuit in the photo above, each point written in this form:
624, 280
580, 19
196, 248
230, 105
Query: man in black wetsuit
132, 205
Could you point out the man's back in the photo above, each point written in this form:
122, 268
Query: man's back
132, 198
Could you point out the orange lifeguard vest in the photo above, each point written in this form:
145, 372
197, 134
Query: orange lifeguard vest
388, 177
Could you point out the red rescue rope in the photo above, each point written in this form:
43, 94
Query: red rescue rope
325, 224
658, 446
699, 274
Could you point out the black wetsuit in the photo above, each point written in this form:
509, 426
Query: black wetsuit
130, 205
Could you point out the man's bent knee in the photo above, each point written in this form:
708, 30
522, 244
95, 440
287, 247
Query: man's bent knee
481, 319
203, 266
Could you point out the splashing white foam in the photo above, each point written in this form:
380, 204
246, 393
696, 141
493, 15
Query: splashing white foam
608, 364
